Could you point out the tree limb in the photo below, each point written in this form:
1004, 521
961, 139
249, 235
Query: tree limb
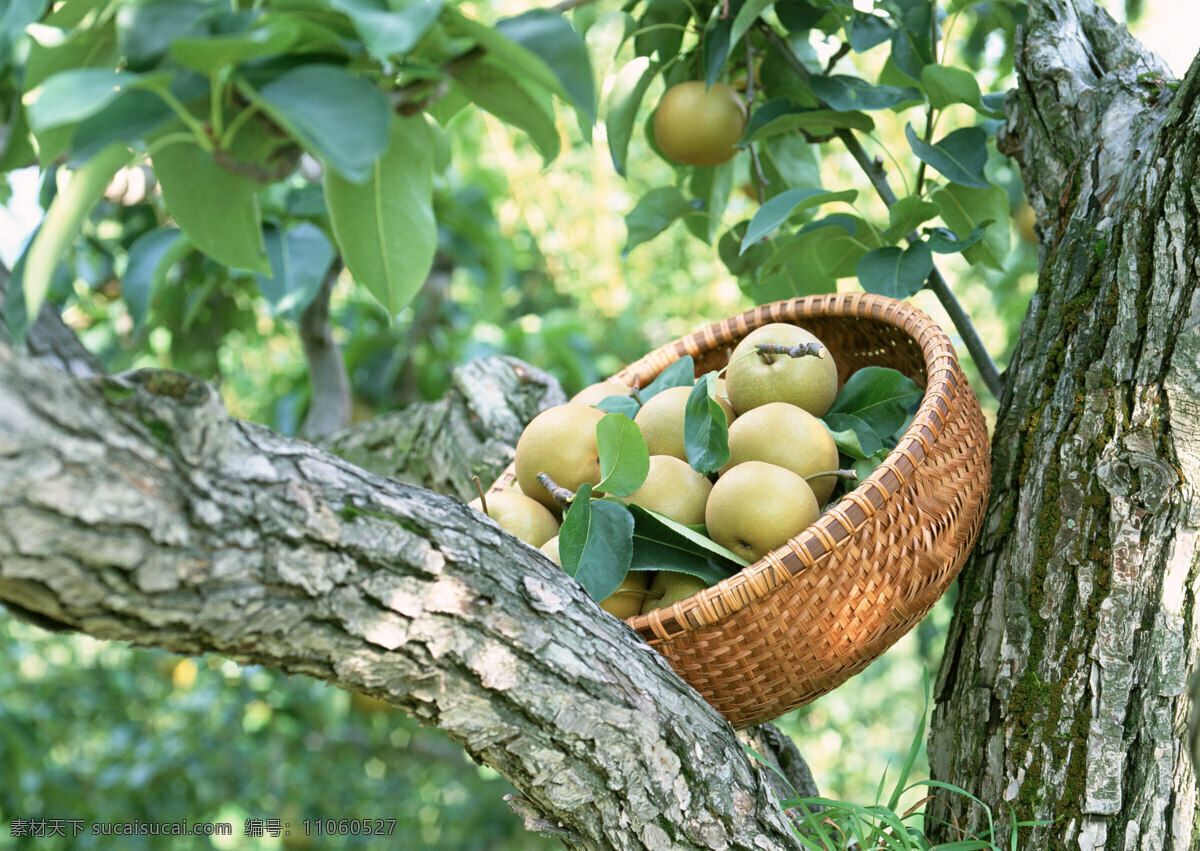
134, 509
50, 340
329, 402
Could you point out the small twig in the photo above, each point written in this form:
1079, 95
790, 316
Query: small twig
833, 60
875, 173
841, 474
804, 350
561, 495
760, 178
479, 490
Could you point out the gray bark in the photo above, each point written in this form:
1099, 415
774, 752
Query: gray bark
1063, 688
329, 385
134, 509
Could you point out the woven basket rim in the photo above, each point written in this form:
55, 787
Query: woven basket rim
839, 522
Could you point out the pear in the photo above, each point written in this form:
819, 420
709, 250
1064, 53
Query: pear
674, 489
756, 507
550, 548
561, 442
526, 518
669, 588
596, 393
628, 599
661, 421
807, 382
789, 437
722, 394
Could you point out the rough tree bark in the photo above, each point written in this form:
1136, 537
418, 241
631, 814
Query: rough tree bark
133, 508
1063, 687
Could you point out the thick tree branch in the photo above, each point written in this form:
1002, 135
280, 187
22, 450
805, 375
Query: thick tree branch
134, 509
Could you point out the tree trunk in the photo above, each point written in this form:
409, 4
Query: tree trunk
1063, 688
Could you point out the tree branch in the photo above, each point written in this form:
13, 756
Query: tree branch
49, 339
134, 509
329, 405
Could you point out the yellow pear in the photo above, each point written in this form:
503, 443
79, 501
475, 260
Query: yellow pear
627, 600
596, 393
561, 442
756, 507
669, 588
753, 380
661, 421
674, 489
526, 518
788, 437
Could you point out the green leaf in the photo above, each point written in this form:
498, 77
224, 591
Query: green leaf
626, 405
867, 31
504, 54
338, 116
680, 373
844, 92
388, 32
746, 16
60, 227
624, 461
946, 86
146, 29
912, 42
211, 53
964, 209
659, 543
879, 396
711, 188
195, 188
705, 430
793, 278
906, 214
131, 117
654, 212
548, 36
530, 109
789, 162
620, 112
71, 96
853, 435
895, 273
385, 225
14, 17
799, 15
150, 258
51, 51
596, 543
660, 29
777, 211
946, 241
300, 257
714, 50
959, 156
782, 116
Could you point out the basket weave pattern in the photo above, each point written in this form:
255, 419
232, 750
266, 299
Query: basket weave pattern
816, 611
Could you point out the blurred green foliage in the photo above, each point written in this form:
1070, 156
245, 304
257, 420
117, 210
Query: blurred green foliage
101, 732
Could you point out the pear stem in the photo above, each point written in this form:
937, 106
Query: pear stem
765, 350
561, 495
841, 474
479, 490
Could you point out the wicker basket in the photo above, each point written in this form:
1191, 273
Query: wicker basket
808, 616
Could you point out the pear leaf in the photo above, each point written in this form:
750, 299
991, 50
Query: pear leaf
681, 373
879, 396
624, 460
705, 430
596, 543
